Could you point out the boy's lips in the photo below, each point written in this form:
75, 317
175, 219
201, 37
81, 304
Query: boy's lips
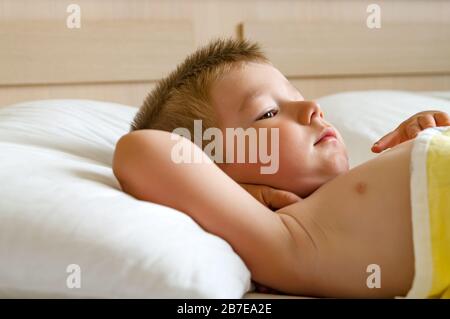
328, 132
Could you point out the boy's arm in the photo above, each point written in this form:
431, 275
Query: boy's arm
142, 163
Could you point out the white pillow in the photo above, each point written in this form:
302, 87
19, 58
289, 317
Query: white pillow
363, 117
60, 204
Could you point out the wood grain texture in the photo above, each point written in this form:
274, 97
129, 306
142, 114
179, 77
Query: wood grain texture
345, 49
132, 94
41, 58
317, 87
48, 52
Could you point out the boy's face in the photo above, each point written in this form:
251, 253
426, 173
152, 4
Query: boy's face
259, 96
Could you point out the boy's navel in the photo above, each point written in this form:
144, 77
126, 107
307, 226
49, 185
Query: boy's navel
361, 187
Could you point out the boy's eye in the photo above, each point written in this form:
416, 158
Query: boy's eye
268, 114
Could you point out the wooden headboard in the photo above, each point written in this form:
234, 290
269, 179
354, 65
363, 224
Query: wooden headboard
102, 59
324, 58
47, 52
124, 46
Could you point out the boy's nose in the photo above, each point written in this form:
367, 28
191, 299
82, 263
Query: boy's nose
307, 111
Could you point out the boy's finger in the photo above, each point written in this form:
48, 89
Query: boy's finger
413, 129
389, 140
442, 119
426, 121
277, 198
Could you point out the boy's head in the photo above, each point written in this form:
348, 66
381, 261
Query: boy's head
184, 95
231, 84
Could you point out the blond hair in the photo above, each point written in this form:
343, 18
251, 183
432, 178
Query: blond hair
183, 96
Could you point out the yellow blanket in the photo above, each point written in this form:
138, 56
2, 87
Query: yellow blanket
430, 203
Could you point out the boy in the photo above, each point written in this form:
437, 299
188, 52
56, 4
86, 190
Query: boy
318, 246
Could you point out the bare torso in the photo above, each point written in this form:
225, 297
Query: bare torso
360, 218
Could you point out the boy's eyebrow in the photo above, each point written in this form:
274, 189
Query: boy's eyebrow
260, 91
249, 97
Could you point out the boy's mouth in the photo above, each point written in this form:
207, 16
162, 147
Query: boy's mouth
326, 134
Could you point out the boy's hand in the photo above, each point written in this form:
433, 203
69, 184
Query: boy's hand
410, 128
271, 197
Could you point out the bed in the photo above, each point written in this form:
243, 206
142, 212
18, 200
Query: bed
63, 210
66, 228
